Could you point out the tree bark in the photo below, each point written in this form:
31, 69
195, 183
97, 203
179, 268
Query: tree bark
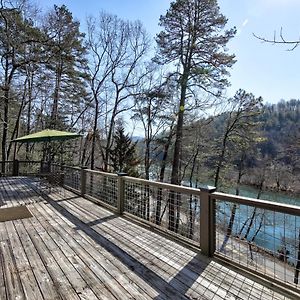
5, 128
175, 176
158, 216
191, 210
54, 114
95, 127
297, 268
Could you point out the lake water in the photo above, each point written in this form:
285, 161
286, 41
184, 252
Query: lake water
248, 191
272, 230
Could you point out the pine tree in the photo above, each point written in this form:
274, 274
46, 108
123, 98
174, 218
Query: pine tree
193, 42
67, 63
20, 44
123, 158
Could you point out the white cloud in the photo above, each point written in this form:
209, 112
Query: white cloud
245, 23
240, 28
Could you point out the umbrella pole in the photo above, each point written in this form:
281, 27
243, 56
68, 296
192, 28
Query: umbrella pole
61, 153
48, 155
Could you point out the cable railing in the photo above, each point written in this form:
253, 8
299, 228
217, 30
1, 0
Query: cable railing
7, 168
102, 187
171, 208
71, 177
260, 236
27, 168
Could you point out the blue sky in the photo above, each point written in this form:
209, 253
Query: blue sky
264, 69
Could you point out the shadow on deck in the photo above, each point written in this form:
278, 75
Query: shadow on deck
81, 250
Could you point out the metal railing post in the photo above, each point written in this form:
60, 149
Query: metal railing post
15, 167
207, 221
121, 193
83, 181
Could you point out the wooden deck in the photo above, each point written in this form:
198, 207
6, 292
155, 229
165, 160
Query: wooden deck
74, 249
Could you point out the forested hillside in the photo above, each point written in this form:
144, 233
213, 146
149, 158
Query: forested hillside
275, 152
257, 146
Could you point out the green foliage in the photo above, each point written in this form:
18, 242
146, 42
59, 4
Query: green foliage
20, 40
66, 63
281, 129
122, 154
194, 36
193, 41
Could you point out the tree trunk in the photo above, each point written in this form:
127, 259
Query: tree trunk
191, 210
175, 176
297, 268
54, 114
220, 161
15, 133
5, 128
254, 210
158, 216
109, 136
29, 108
254, 235
147, 159
95, 127
229, 228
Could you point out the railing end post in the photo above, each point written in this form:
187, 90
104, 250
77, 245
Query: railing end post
207, 221
208, 189
83, 180
16, 167
120, 174
121, 192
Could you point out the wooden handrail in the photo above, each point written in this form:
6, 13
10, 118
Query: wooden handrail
173, 187
101, 173
263, 204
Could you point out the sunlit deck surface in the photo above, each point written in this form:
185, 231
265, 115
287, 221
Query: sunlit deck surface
72, 248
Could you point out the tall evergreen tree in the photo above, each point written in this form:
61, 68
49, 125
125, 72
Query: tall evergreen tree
17, 35
194, 42
67, 62
122, 154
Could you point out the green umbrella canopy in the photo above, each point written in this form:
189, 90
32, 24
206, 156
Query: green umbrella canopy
47, 135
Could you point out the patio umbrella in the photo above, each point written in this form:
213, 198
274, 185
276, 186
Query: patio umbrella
47, 135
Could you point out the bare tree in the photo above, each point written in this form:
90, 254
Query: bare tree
280, 39
102, 62
118, 49
154, 110
239, 123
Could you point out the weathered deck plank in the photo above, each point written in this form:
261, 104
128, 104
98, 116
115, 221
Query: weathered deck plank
2, 283
170, 259
28, 280
97, 275
145, 255
99, 258
97, 241
74, 249
11, 277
